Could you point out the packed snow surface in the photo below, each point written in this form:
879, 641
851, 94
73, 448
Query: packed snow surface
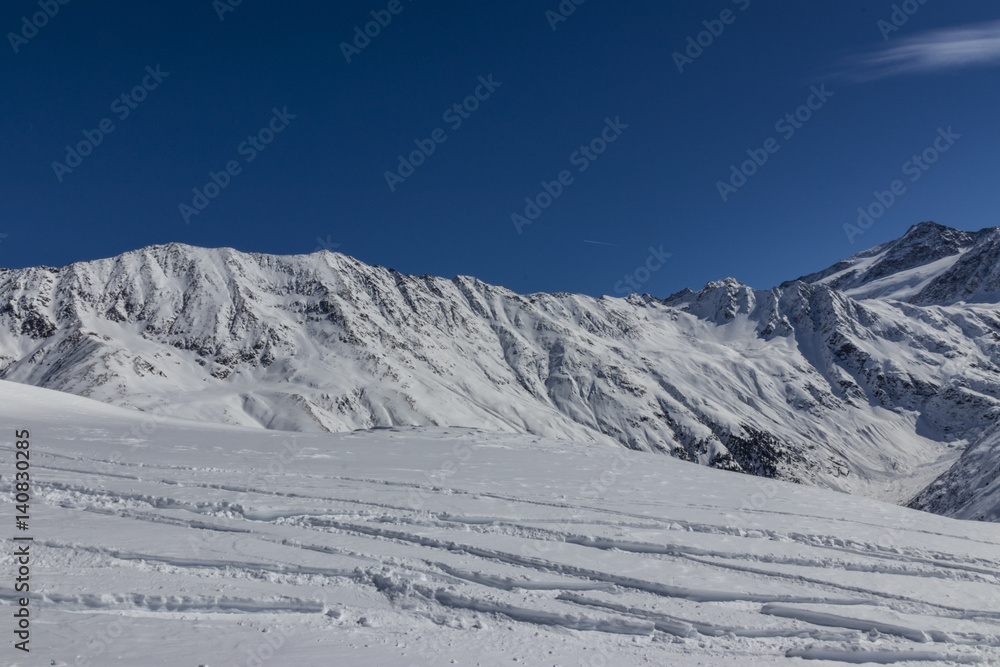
163, 542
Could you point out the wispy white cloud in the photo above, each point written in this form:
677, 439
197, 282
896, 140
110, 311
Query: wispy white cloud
934, 51
601, 243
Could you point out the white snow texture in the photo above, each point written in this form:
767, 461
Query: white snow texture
334, 463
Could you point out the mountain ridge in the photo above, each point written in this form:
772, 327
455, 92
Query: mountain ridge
853, 385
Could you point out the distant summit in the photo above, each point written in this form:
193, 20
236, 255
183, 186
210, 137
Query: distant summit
930, 264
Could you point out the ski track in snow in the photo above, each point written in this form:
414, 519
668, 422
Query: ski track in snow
427, 546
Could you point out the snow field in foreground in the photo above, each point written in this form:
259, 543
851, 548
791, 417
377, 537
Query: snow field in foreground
165, 542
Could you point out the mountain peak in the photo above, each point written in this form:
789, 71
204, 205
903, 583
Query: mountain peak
930, 264
926, 227
729, 282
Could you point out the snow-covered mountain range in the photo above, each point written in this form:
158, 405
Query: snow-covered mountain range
872, 377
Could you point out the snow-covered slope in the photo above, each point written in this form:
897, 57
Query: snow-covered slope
815, 381
161, 542
929, 265
971, 488
955, 274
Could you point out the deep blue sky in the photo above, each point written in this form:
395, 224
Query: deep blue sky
323, 176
